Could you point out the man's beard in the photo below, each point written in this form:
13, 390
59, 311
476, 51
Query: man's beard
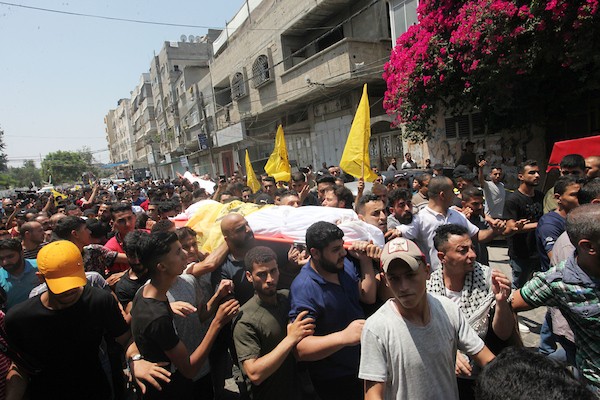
271, 291
11, 268
406, 218
329, 266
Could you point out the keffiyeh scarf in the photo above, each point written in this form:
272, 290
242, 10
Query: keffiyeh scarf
477, 297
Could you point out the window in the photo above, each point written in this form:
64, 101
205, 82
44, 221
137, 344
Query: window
238, 87
260, 71
464, 126
403, 15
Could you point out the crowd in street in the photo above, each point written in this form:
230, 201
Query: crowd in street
105, 294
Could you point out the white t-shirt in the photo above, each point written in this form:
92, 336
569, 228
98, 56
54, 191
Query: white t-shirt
416, 362
495, 194
423, 226
454, 296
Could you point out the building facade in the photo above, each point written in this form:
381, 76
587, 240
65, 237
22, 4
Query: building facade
307, 76
119, 131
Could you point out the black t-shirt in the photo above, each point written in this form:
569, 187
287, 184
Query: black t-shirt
64, 344
152, 327
234, 270
311, 200
154, 333
519, 206
126, 288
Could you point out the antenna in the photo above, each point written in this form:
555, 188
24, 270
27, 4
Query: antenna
191, 38
183, 38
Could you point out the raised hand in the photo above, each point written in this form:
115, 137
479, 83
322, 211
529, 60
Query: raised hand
227, 311
501, 285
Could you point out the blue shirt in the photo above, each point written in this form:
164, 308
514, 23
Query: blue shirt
17, 288
549, 228
333, 307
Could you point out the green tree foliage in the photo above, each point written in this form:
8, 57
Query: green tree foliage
65, 166
3, 160
25, 175
518, 62
4, 178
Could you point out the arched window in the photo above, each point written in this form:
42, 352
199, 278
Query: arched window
238, 87
260, 71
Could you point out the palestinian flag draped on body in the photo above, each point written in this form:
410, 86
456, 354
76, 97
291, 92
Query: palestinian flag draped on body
251, 180
278, 165
355, 158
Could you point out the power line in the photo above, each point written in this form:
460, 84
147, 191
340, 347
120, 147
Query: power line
52, 137
136, 21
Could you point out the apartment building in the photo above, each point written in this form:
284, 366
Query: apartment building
301, 64
119, 130
144, 124
172, 72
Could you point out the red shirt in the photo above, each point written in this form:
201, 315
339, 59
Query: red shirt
115, 245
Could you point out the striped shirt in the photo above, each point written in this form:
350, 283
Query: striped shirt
576, 294
32, 254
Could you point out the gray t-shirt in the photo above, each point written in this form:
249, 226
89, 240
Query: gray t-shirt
190, 329
416, 362
495, 195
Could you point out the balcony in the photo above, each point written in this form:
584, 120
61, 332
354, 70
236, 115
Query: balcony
227, 115
343, 64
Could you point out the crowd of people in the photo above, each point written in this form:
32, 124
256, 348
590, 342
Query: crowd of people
105, 296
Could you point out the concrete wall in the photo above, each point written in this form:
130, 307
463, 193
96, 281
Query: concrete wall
506, 149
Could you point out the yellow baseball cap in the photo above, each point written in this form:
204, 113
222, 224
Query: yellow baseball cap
61, 265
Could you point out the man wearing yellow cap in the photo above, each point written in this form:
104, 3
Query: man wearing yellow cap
58, 333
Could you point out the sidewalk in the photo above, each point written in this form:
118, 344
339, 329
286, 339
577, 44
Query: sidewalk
533, 318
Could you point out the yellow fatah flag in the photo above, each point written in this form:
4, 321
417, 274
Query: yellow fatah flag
58, 196
251, 180
355, 159
278, 165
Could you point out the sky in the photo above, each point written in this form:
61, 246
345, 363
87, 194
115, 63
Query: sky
60, 74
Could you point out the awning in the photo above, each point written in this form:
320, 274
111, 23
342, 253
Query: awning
589, 146
114, 164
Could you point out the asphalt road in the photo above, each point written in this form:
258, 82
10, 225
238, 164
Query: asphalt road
498, 254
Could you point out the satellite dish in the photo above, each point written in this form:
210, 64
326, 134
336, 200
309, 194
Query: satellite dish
191, 38
183, 38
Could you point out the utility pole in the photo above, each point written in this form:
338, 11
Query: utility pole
207, 133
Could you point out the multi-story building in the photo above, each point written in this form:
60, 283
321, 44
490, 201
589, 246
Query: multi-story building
119, 131
296, 63
169, 85
144, 124
111, 135
303, 65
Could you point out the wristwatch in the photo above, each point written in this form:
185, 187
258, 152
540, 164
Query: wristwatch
136, 357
